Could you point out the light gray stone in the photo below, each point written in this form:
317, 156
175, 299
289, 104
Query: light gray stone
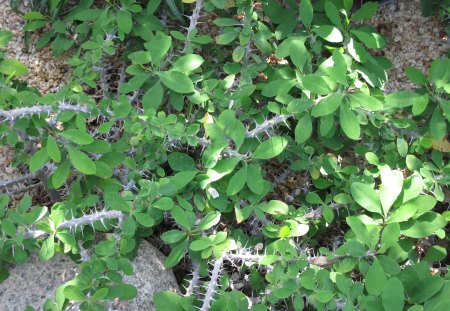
34, 282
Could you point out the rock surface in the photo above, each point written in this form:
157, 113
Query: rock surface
34, 282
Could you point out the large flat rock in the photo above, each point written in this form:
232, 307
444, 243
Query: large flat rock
34, 282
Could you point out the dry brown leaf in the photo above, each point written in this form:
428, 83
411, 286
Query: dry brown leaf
442, 145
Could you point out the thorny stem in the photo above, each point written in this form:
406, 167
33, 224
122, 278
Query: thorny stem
212, 284
103, 80
14, 114
195, 279
193, 23
267, 124
6, 184
78, 222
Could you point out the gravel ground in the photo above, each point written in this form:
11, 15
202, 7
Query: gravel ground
412, 40
45, 72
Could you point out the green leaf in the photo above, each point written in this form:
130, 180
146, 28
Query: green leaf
403, 213
116, 202
132, 85
222, 168
38, 160
375, 279
47, 249
370, 38
254, 179
72, 292
440, 301
424, 203
209, 220
81, 161
128, 226
12, 67
177, 81
438, 125
179, 161
306, 12
140, 57
188, 63
349, 123
435, 254
5, 37
59, 177
366, 197
124, 21
144, 219
416, 76
275, 207
164, 204
212, 153
8, 227
176, 8
166, 300
181, 179
423, 226
402, 147
391, 187
200, 244
122, 291
34, 15
153, 97
173, 236
77, 136
393, 295
298, 53
357, 51
237, 182
175, 255
103, 170
412, 163
303, 130
367, 11
316, 84
226, 38
390, 236
423, 289
366, 101
158, 47
327, 105
53, 150
359, 229
324, 295
270, 148
439, 73
403, 99
332, 13
329, 33
238, 53
100, 294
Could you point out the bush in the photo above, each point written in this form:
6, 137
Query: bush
260, 146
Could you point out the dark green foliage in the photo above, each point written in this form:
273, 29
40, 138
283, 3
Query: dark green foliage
265, 141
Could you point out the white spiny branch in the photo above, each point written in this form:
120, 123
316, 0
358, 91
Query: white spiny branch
193, 22
45, 109
195, 279
267, 124
8, 183
212, 284
90, 219
72, 224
